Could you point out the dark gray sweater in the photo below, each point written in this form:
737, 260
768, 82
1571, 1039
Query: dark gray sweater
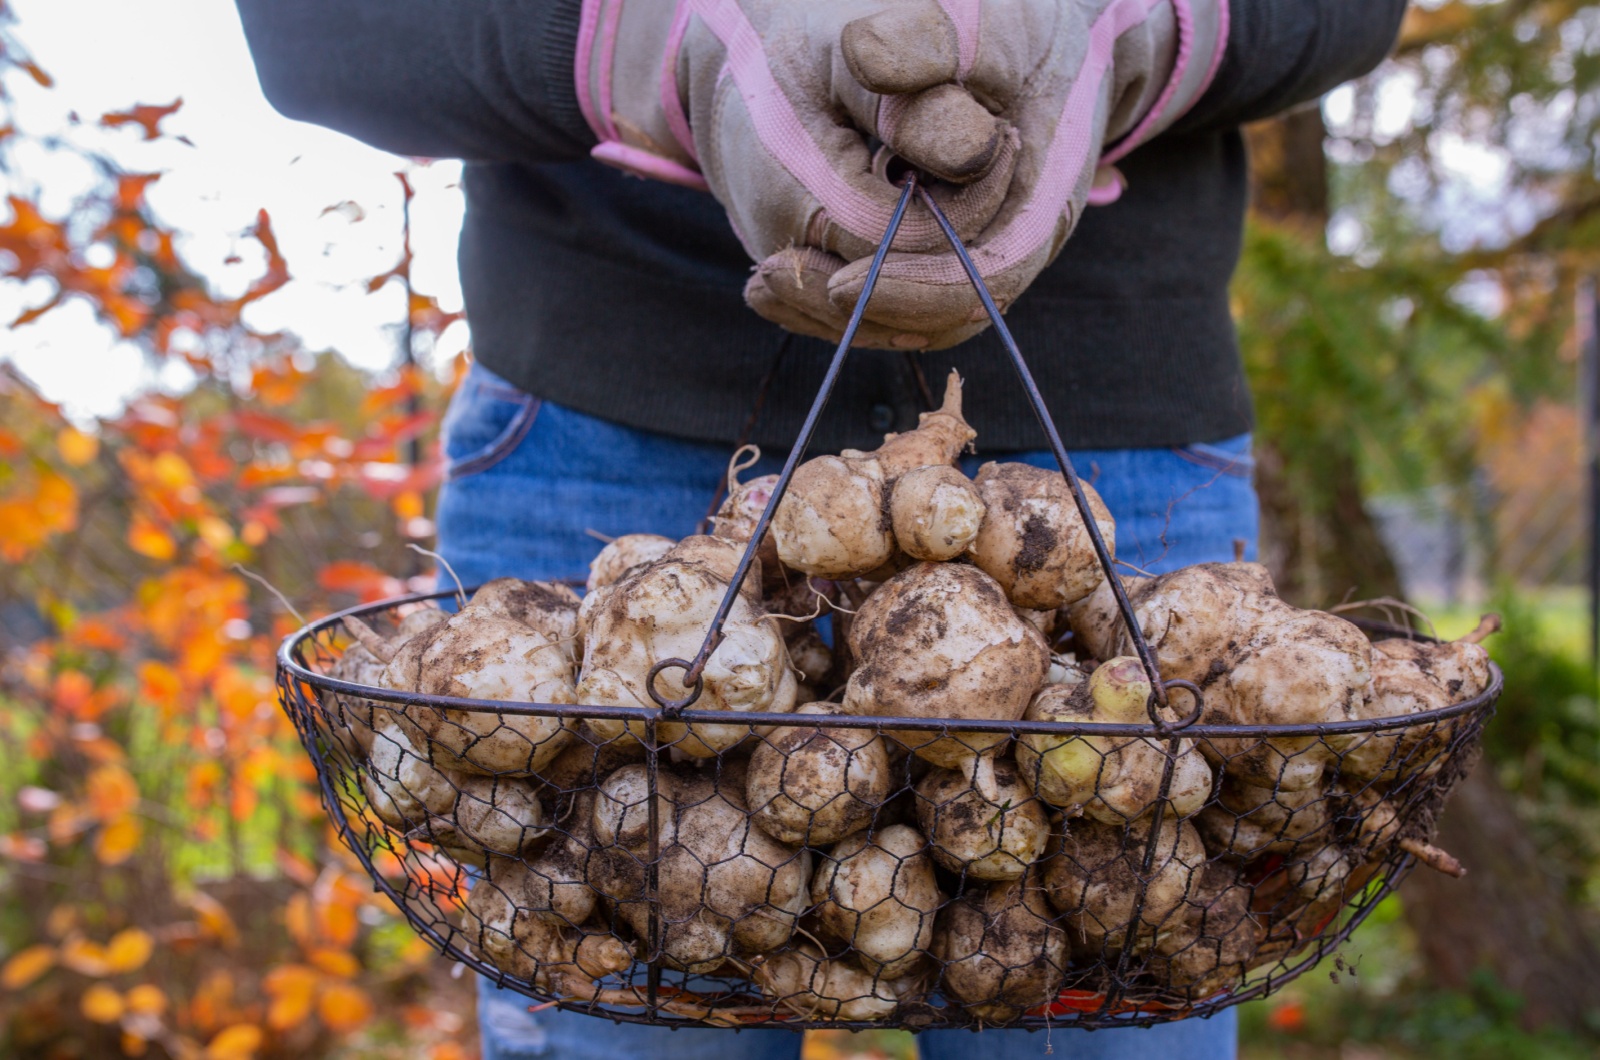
622, 298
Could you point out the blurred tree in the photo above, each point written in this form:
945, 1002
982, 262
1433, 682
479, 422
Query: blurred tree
1415, 355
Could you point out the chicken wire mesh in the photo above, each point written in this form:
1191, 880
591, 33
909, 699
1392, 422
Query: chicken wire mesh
834, 867
821, 872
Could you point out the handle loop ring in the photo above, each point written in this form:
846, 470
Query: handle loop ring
673, 707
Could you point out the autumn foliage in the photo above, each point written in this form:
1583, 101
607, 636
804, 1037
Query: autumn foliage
171, 886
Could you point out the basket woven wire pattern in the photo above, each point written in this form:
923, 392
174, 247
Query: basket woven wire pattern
618, 876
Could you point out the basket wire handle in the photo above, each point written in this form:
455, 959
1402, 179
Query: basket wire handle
1036, 399
695, 668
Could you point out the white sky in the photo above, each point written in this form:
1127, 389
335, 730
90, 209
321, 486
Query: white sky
111, 54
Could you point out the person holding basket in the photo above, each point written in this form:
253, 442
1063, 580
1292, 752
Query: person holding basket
1088, 152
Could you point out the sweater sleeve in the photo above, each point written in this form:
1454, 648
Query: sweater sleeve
1285, 52
482, 80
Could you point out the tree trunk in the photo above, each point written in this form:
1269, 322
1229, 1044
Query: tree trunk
1505, 917
1316, 535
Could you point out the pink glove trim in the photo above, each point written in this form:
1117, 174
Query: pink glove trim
608, 59
1158, 117
783, 134
671, 103
1107, 186
1185, 16
891, 108
968, 18
642, 163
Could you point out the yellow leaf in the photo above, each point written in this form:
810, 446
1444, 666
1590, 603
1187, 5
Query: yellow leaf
146, 999
173, 472
129, 950
238, 1042
85, 957
215, 532
27, 965
75, 447
344, 1007
148, 539
118, 840
292, 988
101, 1004
340, 963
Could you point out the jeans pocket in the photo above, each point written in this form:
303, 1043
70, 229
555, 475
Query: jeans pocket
487, 419
1228, 457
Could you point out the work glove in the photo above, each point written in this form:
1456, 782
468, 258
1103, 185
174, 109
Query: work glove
1080, 83
1009, 103
755, 101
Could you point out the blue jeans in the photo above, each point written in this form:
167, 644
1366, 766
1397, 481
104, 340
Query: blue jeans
529, 485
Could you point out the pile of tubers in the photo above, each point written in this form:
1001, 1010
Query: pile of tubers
834, 869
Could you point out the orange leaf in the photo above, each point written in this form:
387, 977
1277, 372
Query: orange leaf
148, 539
129, 950
238, 1042
159, 684
112, 792
118, 840
358, 579
1289, 1017
71, 690
344, 1007
408, 505
297, 918
26, 966
44, 507
337, 923
214, 918
339, 963
292, 988
101, 1004
146, 116
76, 447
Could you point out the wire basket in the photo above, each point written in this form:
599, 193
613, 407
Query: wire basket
598, 859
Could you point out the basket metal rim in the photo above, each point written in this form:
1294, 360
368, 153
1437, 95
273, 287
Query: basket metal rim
290, 659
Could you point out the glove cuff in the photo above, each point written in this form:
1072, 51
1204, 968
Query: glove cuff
594, 68
1202, 40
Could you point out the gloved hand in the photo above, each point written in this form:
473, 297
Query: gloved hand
759, 102
1010, 101
1069, 77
